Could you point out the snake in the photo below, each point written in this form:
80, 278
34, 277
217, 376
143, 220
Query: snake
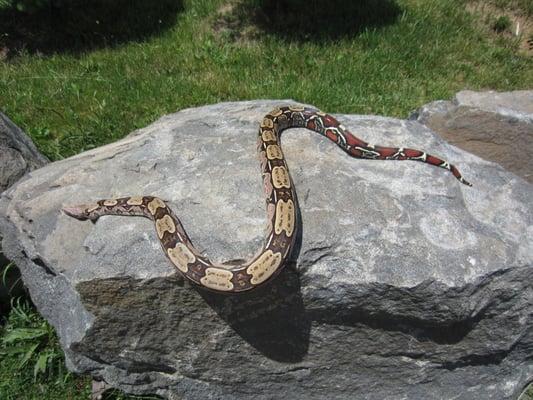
281, 206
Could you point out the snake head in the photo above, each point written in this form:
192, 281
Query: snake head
82, 211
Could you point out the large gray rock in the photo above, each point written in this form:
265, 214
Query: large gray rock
405, 284
495, 126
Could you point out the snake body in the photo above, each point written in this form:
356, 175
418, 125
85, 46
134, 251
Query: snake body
280, 203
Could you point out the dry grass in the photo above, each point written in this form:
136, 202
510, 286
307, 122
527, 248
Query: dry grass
521, 22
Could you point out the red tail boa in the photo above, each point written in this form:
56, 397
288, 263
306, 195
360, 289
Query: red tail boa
280, 203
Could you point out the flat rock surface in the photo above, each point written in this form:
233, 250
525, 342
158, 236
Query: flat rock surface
405, 284
495, 126
517, 104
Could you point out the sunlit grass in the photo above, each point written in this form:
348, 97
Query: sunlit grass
72, 102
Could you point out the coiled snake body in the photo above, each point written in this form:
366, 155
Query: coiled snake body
280, 203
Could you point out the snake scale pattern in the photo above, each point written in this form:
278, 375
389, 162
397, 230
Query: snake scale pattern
280, 203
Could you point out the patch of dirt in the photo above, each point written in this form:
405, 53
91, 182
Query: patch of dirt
235, 22
520, 29
301, 20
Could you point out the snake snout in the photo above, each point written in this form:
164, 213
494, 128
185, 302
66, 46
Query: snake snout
78, 212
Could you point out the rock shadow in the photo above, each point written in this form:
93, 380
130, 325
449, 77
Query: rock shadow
272, 317
164, 314
452, 333
75, 26
304, 20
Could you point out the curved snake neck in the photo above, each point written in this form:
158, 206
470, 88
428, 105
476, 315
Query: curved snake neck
280, 203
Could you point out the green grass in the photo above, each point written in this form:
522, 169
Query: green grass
31, 361
74, 98
528, 395
502, 24
78, 77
